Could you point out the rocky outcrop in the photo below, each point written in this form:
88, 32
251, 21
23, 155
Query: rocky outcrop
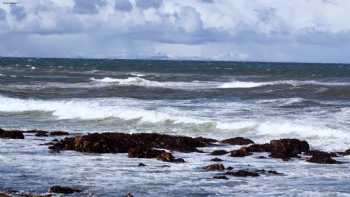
287, 148
121, 142
13, 134
214, 167
321, 157
216, 159
58, 133
238, 141
63, 190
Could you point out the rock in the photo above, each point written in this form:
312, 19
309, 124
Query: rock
216, 159
63, 190
142, 165
4, 195
242, 152
58, 133
220, 177
219, 152
142, 152
321, 157
129, 195
238, 141
268, 172
121, 142
242, 173
214, 167
11, 134
259, 148
41, 134
229, 168
287, 148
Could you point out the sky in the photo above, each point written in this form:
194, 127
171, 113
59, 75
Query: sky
238, 30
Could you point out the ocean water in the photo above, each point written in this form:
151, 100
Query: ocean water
261, 101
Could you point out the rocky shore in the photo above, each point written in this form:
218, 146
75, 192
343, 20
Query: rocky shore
165, 148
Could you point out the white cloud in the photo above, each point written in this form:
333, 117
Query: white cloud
221, 29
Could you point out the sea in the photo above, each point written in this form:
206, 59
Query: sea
258, 100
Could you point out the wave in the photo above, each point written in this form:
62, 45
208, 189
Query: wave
241, 84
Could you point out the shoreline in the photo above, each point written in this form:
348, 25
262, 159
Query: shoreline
166, 149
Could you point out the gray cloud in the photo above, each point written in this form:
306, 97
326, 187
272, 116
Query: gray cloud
87, 6
145, 4
123, 5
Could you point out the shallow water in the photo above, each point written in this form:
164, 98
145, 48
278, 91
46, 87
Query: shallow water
261, 101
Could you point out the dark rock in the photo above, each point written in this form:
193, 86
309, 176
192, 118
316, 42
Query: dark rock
238, 141
287, 148
63, 190
216, 159
58, 133
242, 173
11, 134
142, 165
4, 195
321, 157
214, 167
121, 142
268, 172
41, 134
129, 195
219, 152
220, 177
142, 152
242, 152
229, 168
259, 148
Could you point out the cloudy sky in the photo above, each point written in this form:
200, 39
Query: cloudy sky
255, 30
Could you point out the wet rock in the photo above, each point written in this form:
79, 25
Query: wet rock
219, 152
259, 148
214, 167
220, 177
242, 173
142, 165
216, 159
268, 172
63, 190
287, 148
58, 133
128, 195
4, 195
238, 141
321, 157
229, 168
41, 134
121, 142
11, 134
242, 152
142, 152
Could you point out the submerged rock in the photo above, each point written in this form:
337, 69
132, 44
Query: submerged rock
216, 159
220, 177
63, 190
238, 141
128, 195
242, 173
58, 133
11, 134
214, 167
219, 152
121, 142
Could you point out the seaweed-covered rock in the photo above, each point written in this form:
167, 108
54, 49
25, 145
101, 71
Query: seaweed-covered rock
121, 142
11, 134
141, 152
238, 141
